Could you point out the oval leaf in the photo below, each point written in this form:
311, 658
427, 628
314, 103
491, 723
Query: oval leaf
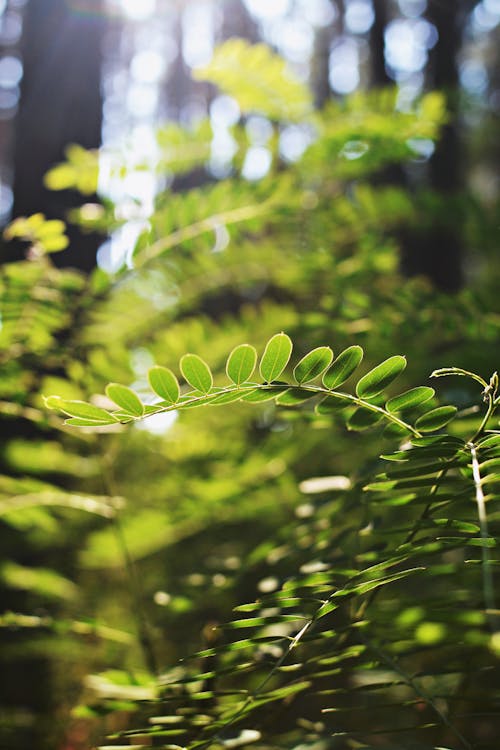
343, 367
125, 398
380, 377
363, 419
241, 363
411, 398
81, 410
313, 364
197, 372
294, 396
275, 357
164, 383
436, 418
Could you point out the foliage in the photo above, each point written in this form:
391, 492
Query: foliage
367, 607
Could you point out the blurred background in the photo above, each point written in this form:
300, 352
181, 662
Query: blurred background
402, 257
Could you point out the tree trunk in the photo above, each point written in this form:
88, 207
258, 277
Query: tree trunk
60, 103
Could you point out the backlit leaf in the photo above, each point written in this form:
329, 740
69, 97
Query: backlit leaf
313, 364
241, 363
276, 356
411, 398
125, 398
380, 377
197, 372
164, 384
81, 410
343, 367
436, 418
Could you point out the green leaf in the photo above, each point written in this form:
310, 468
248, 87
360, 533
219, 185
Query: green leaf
363, 419
241, 363
276, 356
164, 383
260, 395
380, 377
436, 418
80, 410
343, 367
294, 396
331, 404
258, 79
81, 422
313, 364
411, 398
196, 372
125, 398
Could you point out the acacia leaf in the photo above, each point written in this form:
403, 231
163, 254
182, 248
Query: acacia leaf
164, 383
343, 367
436, 418
196, 372
125, 398
80, 410
276, 356
241, 363
313, 364
411, 398
375, 381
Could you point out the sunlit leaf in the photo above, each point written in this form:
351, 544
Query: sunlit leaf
375, 381
343, 367
241, 363
164, 383
276, 356
125, 398
80, 410
411, 398
313, 364
196, 372
436, 418
258, 79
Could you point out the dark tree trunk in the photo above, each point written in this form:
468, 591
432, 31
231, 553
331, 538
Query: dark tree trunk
438, 252
379, 76
60, 104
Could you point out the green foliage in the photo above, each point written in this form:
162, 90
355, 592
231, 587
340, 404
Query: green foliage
258, 80
344, 513
44, 236
349, 616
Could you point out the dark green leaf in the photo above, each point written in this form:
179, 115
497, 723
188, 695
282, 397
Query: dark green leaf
264, 394
331, 404
125, 398
294, 396
363, 419
241, 363
164, 384
343, 367
276, 356
313, 364
411, 398
196, 372
436, 418
375, 381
